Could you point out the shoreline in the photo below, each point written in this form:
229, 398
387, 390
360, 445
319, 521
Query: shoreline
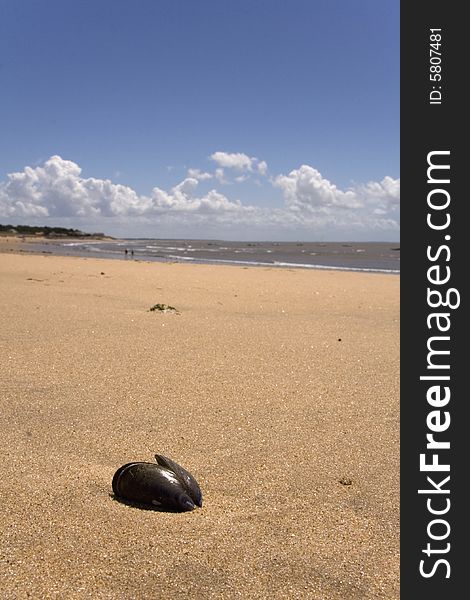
71, 248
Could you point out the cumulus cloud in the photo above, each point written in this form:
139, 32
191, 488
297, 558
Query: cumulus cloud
238, 161
56, 190
374, 204
181, 198
262, 167
241, 178
382, 196
199, 175
234, 160
220, 176
306, 189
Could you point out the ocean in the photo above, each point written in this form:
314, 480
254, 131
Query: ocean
382, 257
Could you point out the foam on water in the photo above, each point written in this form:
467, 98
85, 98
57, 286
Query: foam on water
369, 257
257, 263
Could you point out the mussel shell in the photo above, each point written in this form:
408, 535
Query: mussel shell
151, 484
187, 480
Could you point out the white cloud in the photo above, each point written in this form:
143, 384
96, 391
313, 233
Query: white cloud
262, 167
241, 178
220, 176
306, 189
239, 162
234, 160
181, 199
374, 205
383, 196
57, 189
199, 175
57, 192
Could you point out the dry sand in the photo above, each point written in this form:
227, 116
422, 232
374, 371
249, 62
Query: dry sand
278, 389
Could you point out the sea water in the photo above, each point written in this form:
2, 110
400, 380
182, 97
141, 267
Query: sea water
383, 257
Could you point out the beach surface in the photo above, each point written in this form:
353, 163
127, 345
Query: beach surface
277, 388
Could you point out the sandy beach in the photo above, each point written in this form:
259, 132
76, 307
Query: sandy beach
277, 388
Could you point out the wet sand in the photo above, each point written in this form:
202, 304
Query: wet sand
277, 388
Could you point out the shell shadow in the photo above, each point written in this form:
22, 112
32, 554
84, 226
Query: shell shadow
142, 506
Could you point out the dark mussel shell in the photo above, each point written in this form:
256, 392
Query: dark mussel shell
165, 485
187, 480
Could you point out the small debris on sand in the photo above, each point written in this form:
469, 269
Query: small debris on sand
163, 308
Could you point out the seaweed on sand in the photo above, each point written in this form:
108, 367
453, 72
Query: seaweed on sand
163, 308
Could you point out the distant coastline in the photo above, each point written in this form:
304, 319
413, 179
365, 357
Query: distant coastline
50, 232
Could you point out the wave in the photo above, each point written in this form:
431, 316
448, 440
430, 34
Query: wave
283, 264
158, 250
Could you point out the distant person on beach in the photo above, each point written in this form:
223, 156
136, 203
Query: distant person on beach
132, 253
125, 251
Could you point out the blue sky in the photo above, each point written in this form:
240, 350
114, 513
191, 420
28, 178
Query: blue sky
174, 118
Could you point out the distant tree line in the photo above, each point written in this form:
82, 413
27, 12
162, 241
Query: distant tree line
46, 231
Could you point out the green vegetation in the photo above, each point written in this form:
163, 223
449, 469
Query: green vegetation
45, 231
